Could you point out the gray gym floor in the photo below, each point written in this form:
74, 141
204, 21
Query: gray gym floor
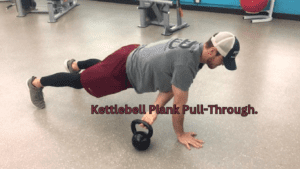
66, 135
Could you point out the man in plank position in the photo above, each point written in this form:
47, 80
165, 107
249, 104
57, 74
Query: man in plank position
168, 66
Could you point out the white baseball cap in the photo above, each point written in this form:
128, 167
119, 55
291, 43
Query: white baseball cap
228, 46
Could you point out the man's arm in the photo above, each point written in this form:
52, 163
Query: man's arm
180, 99
185, 138
162, 99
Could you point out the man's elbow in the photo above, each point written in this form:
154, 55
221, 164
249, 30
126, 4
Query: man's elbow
180, 100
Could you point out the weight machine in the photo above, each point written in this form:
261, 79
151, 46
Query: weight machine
56, 8
9, 6
263, 18
160, 15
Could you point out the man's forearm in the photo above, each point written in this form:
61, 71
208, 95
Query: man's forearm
163, 98
177, 120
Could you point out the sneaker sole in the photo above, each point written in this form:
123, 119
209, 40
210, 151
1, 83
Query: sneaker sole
27, 81
66, 65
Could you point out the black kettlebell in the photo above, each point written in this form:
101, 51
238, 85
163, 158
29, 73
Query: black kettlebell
140, 139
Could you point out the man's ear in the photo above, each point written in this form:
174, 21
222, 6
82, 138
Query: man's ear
214, 50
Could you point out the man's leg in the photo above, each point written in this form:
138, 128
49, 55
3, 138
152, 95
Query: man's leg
110, 76
73, 66
71, 79
36, 85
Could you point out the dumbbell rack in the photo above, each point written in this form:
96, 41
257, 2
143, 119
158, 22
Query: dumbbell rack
263, 18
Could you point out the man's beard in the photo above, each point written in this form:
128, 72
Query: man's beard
210, 63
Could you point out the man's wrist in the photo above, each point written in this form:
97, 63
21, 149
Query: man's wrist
179, 134
153, 113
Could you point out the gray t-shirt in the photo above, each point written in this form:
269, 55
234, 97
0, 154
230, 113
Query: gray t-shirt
159, 65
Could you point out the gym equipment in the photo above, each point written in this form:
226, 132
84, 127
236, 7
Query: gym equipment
9, 6
56, 8
256, 6
160, 15
141, 140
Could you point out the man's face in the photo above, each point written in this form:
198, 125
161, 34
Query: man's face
212, 57
214, 61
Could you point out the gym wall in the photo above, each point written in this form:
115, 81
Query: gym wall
284, 9
281, 6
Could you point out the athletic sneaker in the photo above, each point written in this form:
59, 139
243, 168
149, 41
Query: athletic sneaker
36, 94
68, 66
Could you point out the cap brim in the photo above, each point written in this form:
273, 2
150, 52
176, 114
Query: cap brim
229, 60
230, 64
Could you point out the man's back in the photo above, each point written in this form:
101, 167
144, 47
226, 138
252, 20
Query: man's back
158, 65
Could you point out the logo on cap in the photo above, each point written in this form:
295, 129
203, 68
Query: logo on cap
234, 54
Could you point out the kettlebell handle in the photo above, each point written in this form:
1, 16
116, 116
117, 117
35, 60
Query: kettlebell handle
138, 121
